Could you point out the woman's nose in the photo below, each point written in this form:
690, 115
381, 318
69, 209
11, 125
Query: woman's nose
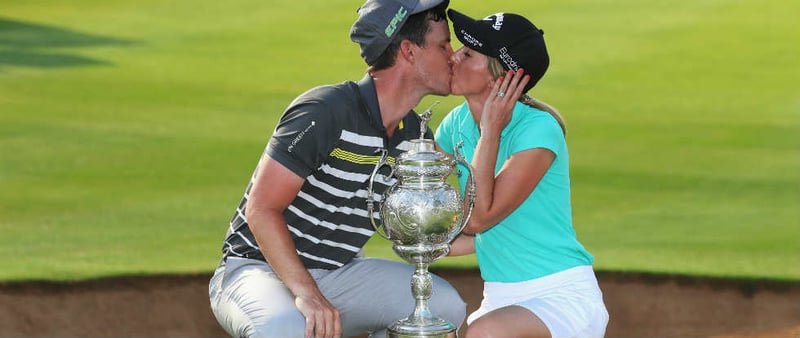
455, 58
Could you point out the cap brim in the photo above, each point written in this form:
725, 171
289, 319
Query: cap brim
424, 5
470, 32
458, 17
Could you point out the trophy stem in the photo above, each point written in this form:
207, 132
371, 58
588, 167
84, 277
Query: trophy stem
421, 288
422, 322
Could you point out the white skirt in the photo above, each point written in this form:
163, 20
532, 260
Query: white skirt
569, 302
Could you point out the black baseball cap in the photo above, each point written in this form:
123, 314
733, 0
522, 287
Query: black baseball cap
379, 21
511, 38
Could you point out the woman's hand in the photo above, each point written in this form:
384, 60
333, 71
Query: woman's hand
491, 204
499, 105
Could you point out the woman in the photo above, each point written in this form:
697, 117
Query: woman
538, 279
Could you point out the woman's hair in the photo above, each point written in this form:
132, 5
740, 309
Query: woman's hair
414, 29
496, 70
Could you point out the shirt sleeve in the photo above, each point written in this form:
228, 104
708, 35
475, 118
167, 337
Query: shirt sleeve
539, 131
305, 134
444, 133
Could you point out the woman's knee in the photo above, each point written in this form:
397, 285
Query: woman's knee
510, 321
480, 329
484, 327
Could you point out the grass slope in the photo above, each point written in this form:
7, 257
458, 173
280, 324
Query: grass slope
128, 129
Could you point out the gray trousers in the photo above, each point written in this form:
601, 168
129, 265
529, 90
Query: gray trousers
249, 300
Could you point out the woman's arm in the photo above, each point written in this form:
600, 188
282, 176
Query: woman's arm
462, 245
496, 197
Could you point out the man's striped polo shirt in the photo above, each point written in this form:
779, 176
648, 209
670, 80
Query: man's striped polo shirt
330, 135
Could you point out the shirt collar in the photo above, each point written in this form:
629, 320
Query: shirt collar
469, 128
369, 95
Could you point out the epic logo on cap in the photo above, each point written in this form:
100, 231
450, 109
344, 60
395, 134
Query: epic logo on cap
401, 13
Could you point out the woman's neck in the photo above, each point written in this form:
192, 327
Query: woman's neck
475, 103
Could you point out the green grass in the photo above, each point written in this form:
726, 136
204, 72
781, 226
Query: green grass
128, 129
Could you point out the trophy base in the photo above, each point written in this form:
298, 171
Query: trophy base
439, 328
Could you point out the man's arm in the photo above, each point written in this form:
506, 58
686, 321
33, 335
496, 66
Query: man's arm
274, 188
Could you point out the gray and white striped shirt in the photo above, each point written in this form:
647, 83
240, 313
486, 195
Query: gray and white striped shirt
329, 135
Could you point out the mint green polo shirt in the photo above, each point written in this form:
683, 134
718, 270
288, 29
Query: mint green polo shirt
536, 239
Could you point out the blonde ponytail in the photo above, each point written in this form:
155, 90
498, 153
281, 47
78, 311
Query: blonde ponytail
543, 106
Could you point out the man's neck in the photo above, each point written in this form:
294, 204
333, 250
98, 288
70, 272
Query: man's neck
395, 97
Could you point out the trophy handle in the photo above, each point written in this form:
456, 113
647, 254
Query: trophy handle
469, 192
370, 201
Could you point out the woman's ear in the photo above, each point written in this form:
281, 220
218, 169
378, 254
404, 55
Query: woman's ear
492, 80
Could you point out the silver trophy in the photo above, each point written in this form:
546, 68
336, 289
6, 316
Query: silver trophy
421, 214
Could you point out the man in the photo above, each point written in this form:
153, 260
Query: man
292, 263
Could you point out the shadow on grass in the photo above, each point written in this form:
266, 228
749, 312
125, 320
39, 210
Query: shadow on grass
24, 44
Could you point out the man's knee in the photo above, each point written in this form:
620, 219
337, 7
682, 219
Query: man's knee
448, 304
289, 324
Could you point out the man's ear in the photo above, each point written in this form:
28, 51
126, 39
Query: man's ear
407, 49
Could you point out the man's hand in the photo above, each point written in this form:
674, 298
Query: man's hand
274, 188
322, 319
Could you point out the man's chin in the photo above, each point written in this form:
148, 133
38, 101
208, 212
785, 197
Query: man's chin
439, 93
442, 92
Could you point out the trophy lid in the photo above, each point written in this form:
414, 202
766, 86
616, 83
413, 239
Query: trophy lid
423, 152
422, 159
